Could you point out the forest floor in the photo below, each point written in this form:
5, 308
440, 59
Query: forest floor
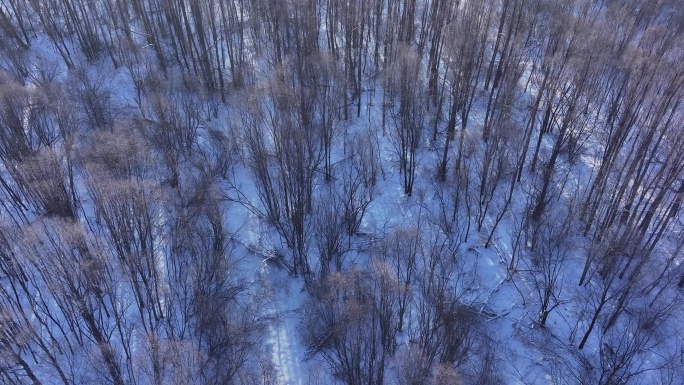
499, 299
506, 303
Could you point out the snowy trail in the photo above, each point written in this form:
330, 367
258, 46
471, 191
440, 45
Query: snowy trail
283, 339
284, 296
286, 352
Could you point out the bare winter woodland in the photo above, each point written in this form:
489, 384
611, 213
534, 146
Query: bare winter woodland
361, 192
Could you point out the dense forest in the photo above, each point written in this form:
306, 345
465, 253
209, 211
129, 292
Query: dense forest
363, 192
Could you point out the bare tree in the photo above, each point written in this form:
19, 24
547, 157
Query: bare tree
285, 154
548, 260
93, 96
401, 250
329, 232
79, 296
408, 119
444, 328
352, 322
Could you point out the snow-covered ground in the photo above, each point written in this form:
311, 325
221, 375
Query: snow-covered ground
506, 299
